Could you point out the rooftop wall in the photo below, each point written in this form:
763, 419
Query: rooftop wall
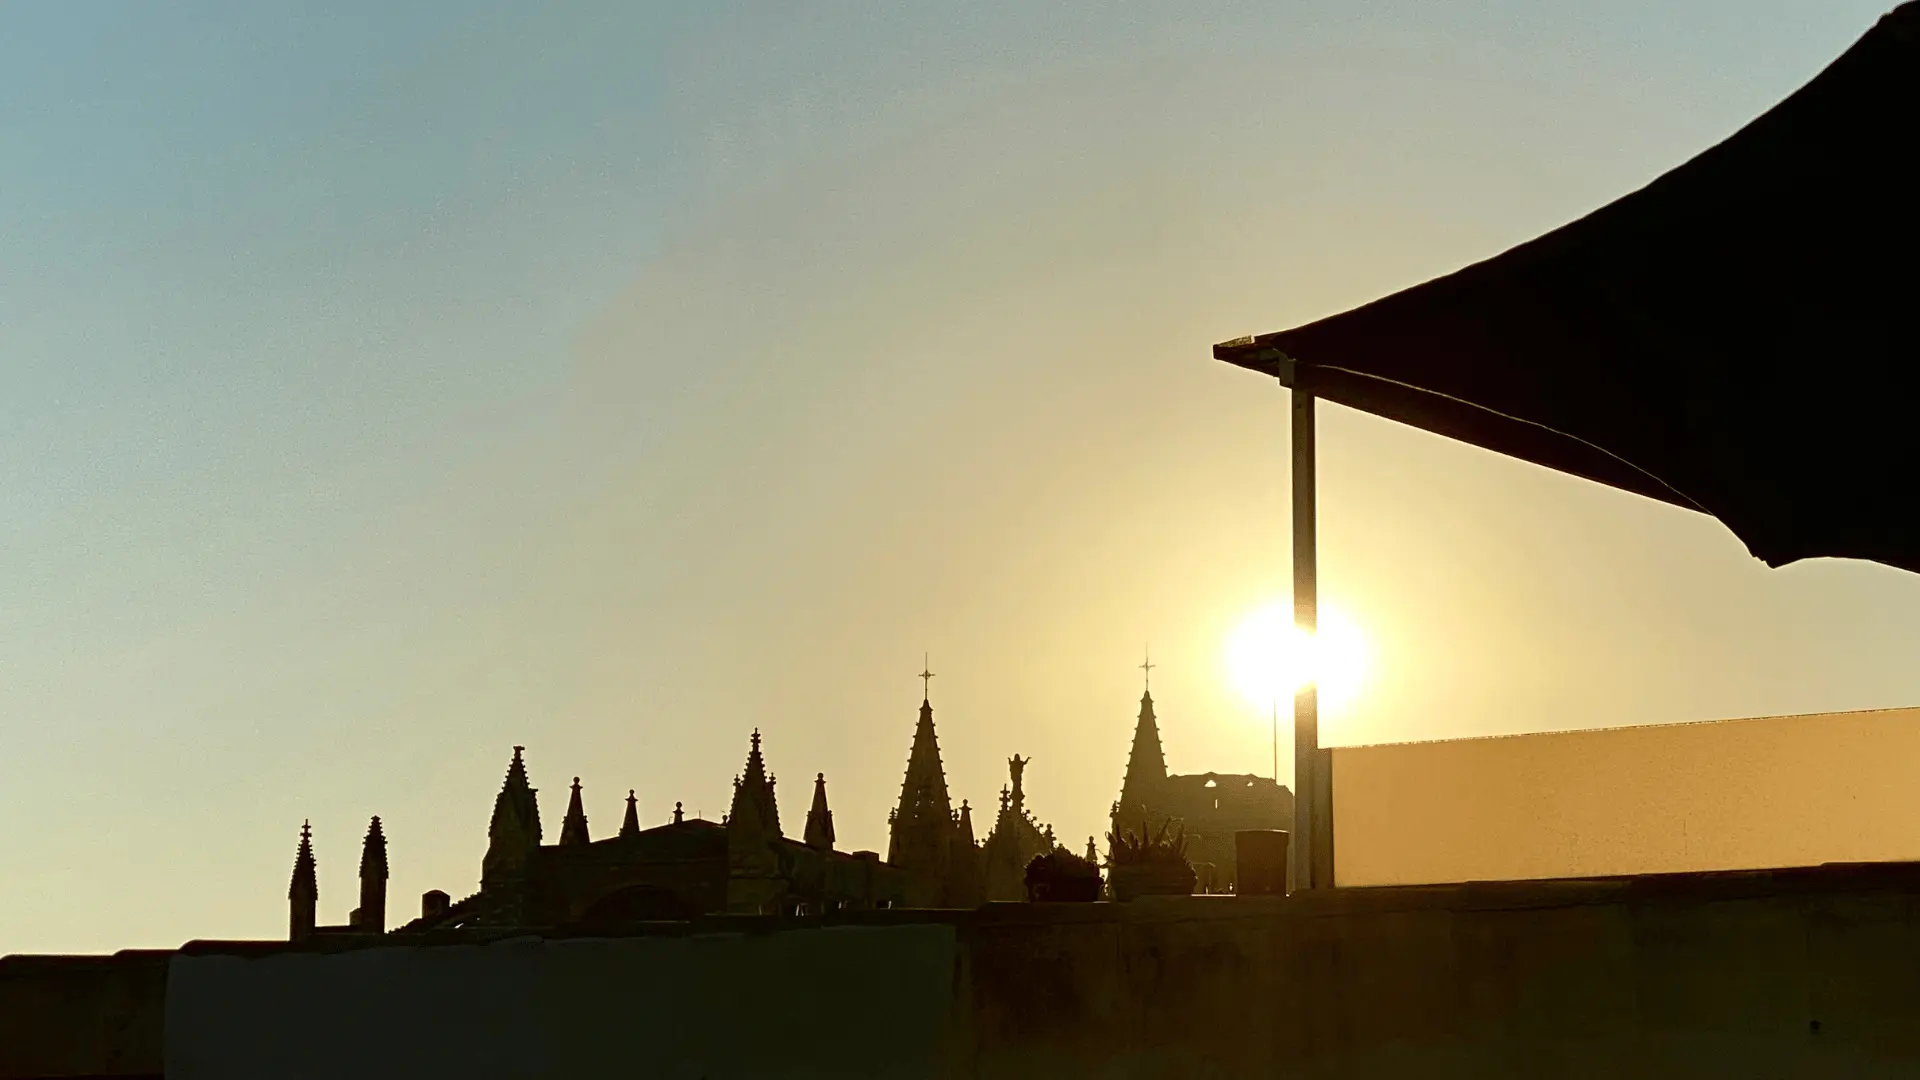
82, 1016
832, 1001
1734, 794
1809, 973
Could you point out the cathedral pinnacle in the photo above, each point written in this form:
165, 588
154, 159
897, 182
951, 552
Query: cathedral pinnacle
922, 826
630, 825
819, 834
372, 913
1146, 762
573, 830
373, 853
923, 792
304, 891
756, 786
303, 872
517, 800
514, 831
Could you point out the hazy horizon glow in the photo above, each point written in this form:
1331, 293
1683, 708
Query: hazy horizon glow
382, 387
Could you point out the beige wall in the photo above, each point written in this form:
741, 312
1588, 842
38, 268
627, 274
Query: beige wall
1732, 794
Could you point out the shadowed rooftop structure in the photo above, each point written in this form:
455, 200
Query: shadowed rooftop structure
1739, 337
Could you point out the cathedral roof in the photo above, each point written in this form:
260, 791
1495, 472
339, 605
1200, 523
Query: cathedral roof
690, 840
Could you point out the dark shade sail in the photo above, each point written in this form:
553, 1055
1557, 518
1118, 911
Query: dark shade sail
1741, 336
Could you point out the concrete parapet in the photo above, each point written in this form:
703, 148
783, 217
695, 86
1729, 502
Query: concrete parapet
82, 1016
1796, 973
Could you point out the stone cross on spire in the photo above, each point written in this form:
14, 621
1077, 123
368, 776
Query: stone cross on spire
1147, 665
926, 678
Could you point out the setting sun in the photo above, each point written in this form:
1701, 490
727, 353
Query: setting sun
1269, 658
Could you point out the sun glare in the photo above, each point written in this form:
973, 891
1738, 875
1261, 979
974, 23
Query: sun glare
1270, 659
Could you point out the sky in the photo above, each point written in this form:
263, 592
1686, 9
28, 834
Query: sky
385, 386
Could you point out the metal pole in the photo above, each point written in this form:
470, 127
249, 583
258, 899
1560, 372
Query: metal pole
1307, 810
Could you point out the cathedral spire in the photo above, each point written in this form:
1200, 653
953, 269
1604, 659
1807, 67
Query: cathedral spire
373, 879
966, 878
755, 884
630, 826
303, 894
518, 804
819, 818
573, 830
754, 784
514, 831
924, 791
1146, 764
921, 828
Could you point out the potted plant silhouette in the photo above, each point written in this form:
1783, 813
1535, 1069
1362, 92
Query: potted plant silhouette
1060, 875
1149, 863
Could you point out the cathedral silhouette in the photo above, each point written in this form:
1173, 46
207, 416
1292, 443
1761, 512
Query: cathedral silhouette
1210, 807
746, 864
